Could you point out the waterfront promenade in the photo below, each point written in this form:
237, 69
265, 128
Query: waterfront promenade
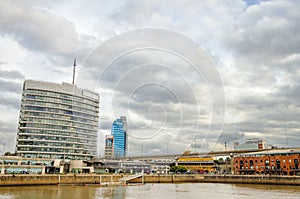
105, 180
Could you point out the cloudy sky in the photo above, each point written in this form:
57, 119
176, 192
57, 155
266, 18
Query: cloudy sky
189, 75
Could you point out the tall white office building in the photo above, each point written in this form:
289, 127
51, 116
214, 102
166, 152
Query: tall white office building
57, 121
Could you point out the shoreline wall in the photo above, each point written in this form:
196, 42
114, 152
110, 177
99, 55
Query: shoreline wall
19, 180
168, 178
255, 179
82, 179
238, 179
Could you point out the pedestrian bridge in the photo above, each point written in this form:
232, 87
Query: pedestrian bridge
131, 177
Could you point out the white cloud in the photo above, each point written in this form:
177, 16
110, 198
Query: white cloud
255, 46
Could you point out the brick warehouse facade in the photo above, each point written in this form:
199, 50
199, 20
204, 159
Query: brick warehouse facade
273, 162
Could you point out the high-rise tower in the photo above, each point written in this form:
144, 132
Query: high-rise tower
57, 121
119, 132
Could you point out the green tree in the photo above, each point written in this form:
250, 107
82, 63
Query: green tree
176, 169
9, 154
228, 159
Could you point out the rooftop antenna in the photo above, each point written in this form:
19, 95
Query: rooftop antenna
74, 66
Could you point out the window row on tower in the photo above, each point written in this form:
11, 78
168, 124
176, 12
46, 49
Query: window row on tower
60, 111
58, 122
57, 133
62, 96
60, 106
31, 97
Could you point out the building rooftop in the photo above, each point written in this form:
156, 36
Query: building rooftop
271, 152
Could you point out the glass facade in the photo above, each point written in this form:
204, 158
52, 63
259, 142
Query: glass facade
119, 132
57, 121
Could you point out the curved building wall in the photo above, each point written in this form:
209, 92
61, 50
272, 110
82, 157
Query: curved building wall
57, 121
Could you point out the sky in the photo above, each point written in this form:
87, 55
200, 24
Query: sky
188, 75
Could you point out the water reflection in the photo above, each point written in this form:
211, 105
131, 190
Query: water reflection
285, 188
185, 190
45, 192
111, 192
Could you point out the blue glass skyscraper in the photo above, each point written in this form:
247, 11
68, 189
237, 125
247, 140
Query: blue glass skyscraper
119, 131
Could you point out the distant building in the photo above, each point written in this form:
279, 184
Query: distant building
279, 162
119, 132
161, 166
134, 167
197, 164
125, 166
57, 121
19, 165
109, 146
123, 118
250, 144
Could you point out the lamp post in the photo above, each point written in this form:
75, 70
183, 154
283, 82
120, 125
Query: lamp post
231, 163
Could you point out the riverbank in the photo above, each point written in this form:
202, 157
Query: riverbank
254, 179
150, 191
108, 180
237, 179
75, 179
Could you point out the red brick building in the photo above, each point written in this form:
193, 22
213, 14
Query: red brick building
273, 162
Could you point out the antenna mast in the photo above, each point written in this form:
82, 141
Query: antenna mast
74, 66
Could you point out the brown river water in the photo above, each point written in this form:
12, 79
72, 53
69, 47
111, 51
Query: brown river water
166, 191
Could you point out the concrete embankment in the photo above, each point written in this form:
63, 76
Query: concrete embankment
254, 179
16, 180
279, 180
167, 179
10, 180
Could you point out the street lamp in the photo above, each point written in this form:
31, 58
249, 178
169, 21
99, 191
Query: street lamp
231, 163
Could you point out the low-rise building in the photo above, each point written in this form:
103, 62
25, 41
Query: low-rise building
273, 162
109, 146
197, 164
134, 167
125, 166
250, 144
161, 166
81, 166
19, 165
160, 169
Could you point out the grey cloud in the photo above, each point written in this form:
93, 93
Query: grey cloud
38, 30
12, 74
289, 93
10, 86
6, 127
105, 123
188, 114
7, 136
268, 32
153, 76
161, 143
268, 124
262, 75
10, 102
